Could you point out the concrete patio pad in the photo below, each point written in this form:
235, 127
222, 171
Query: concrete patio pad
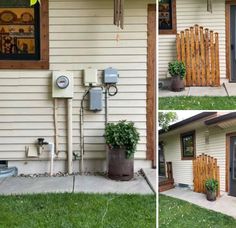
196, 91
168, 93
230, 88
100, 184
224, 204
207, 91
87, 184
22, 185
150, 175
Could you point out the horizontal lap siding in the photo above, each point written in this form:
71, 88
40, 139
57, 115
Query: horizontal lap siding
182, 169
81, 35
189, 13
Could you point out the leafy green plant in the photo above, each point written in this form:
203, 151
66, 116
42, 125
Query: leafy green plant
33, 2
211, 184
122, 135
177, 68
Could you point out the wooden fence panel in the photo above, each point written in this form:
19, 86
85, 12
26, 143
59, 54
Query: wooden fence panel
205, 167
199, 50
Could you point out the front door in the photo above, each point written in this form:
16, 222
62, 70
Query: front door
232, 174
161, 163
233, 42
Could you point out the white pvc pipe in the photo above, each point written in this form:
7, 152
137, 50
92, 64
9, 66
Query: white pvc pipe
51, 146
69, 135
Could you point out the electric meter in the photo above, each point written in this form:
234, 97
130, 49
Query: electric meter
62, 82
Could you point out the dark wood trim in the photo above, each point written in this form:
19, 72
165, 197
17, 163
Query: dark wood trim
227, 160
151, 85
228, 3
174, 22
43, 63
194, 142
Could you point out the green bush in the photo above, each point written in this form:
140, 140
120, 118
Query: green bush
177, 68
122, 135
211, 184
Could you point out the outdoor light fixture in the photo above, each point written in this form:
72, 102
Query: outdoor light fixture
119, 13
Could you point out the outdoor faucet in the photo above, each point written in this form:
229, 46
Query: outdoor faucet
40, 144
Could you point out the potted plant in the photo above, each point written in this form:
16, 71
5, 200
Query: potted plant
211, 189
177, 70
121, 139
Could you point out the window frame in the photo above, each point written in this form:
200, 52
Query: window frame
174, 22
193, 133
43, 62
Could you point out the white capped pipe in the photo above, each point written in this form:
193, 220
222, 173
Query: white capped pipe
51, 148
69, 135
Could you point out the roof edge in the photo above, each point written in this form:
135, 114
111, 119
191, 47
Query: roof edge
222, 118
187, 121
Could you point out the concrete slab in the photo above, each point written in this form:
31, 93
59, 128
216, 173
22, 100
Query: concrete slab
2, 179
150, 175
101, 184
22, 185
168, 93
224, 204
230, 88
207, 91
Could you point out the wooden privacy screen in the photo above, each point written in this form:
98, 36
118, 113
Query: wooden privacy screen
199, 50
205, 167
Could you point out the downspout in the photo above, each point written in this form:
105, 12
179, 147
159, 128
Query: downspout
69, 135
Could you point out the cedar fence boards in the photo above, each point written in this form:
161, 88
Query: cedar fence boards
205, 167
198, 48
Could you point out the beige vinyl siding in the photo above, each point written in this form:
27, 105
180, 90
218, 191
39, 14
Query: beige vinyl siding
182, 169
81, 35
189, 13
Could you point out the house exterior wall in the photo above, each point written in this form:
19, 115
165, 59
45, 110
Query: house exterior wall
182, 169
81, 35
189, 13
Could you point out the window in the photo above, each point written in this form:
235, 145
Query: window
188, 145
23, 35
167, 16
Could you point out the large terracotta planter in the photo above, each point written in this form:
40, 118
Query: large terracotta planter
211, 196
177, 84
120, 167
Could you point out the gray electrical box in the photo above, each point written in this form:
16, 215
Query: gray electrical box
95, 99
110, 76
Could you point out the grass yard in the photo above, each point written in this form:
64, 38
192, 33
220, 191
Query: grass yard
197, 103
78, 210
178, 213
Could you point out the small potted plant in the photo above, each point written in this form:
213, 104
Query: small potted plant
177, 70
121, 139
211, 189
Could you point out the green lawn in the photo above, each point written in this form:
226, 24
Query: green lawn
197, 103
178, 213
78, 210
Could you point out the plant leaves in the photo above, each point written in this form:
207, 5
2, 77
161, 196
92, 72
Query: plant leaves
33, 2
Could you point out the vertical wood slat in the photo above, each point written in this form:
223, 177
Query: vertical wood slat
178, 47
188, 59
217, 63
199, 50
192, 46
202, 44
212, 48
205, 167
197, 54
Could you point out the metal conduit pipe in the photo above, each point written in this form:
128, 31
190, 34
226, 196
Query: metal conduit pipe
69, 135
82, 131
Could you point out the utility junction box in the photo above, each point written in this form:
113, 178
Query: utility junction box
110, 76
62, 84
90, 77
95, 99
